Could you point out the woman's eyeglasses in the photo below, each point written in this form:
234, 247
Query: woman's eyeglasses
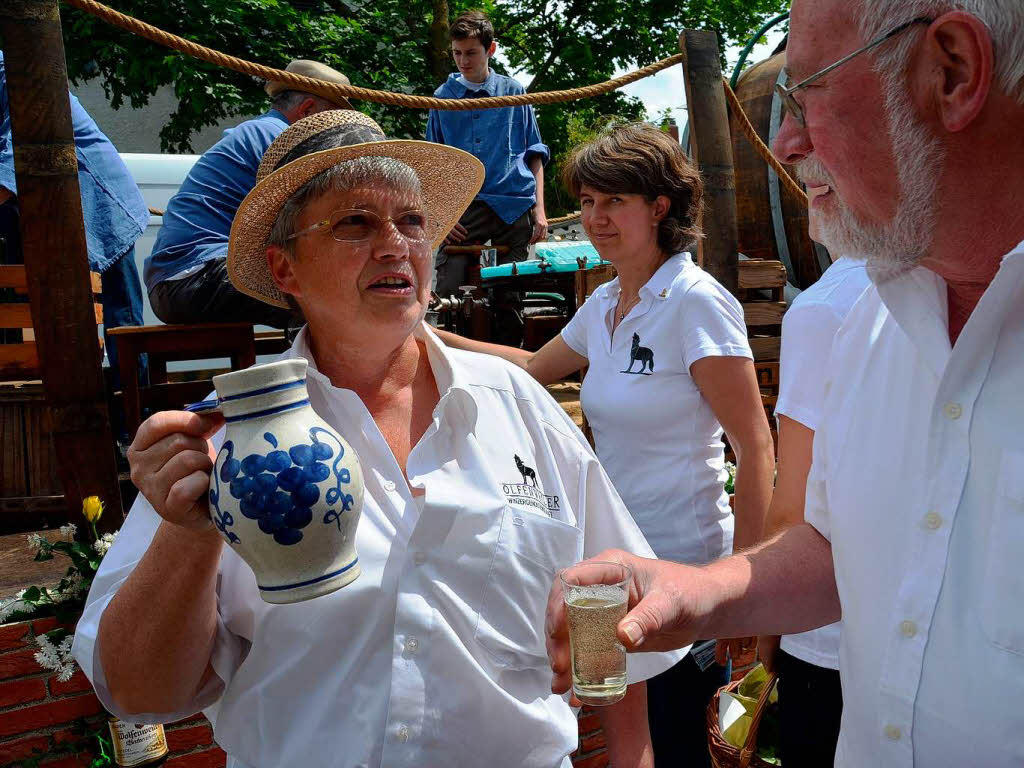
353, 225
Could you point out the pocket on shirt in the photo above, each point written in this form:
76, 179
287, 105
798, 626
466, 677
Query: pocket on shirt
1002, 617
530, 551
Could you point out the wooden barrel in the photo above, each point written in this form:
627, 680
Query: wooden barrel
771, 221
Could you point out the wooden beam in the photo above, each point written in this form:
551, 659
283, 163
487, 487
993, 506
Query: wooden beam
766, 347
764, 312
56, 259
712, 152
760, 273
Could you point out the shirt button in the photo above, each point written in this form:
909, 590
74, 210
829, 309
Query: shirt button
403, 733
933, 520
389, 485
892, 732
953, 410
478, 141
419, 558
908, 628
412, 645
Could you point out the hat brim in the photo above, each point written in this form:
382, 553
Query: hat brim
450, 178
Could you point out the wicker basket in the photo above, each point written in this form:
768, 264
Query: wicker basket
724, 754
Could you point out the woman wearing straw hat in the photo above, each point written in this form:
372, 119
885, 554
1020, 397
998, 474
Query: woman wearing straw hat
435, 655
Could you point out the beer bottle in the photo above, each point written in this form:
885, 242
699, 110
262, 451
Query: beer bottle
137, 744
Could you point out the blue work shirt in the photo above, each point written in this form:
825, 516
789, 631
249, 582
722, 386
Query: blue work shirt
503, 139
114, 211
198, 218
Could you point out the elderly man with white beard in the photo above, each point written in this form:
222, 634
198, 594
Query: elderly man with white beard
905, 117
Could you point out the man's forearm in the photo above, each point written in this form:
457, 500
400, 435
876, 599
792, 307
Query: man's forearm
783, 586
537, 169
626, 730
157, 633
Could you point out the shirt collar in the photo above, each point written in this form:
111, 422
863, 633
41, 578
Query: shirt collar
278, 114
489, 86
449, 374
659, 286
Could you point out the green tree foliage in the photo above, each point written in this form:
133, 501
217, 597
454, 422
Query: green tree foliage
388, 45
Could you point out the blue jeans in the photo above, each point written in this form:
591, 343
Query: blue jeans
122, 305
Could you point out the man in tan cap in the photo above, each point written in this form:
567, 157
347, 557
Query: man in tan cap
186, 274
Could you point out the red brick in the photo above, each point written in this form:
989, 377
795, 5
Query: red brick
209, 758
70, 761
589, 722
14, 636
77, 684
22, 691
186, 739
597, 760
18, 750
18, 664
51, 713
42, 626
592, 742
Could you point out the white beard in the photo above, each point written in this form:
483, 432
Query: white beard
900, 244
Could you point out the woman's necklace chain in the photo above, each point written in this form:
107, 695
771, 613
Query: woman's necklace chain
633, 302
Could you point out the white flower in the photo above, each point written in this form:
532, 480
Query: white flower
68, 531
35, 541
102, 544
15, 604
56, 658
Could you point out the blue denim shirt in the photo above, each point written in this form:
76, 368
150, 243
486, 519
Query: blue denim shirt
197, 220
503, 139
114, 211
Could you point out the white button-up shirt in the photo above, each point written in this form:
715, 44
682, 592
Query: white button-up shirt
808, 331
918, 480
655, 433
435, 655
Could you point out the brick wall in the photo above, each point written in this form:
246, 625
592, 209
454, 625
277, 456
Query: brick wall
38, 713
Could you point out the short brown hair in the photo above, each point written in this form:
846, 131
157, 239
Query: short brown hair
472, 24
639, 159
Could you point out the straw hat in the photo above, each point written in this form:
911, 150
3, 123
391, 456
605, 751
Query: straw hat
317, 71
449, 177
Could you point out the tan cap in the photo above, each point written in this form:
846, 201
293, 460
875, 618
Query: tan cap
313, 69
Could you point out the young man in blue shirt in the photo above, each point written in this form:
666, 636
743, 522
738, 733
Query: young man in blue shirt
186, 274
510, 207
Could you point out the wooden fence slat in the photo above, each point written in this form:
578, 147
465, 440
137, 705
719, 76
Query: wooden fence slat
19, 361
12, 458
758, 273
13, 276
764, 312
20, 315
766, 347
40, 454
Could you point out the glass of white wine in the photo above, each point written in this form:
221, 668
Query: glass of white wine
596, 595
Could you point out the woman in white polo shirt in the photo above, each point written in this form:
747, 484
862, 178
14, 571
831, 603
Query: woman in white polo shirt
668, 366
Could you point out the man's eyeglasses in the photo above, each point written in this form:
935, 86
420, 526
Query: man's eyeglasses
353, 225
786, 94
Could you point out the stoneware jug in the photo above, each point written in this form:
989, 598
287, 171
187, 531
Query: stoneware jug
286, 490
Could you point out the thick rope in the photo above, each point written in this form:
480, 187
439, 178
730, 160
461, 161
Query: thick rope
762, 149
329, 90
562, 219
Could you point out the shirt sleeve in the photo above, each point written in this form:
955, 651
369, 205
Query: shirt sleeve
574, 333
808, 331
608, 525
712, 324
132, 541
535, 146
434, 132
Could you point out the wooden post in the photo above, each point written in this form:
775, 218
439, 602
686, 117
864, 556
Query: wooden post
711, 146
56, 259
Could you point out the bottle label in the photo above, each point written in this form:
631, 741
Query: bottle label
137, 743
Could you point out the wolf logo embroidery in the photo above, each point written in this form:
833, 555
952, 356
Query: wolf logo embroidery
526, 472
644, 354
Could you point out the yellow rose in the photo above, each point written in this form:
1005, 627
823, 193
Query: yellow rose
92, 508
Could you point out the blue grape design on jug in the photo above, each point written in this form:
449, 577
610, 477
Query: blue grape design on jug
280, 488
